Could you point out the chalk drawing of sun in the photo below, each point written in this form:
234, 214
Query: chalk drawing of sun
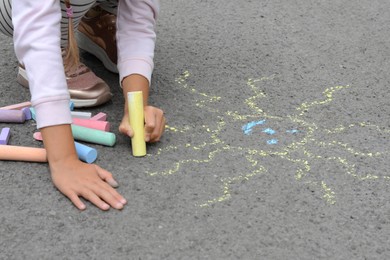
241, 145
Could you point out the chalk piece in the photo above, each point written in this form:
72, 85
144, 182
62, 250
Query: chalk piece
17, 106
4, 136
27, 113
137, 122
85, 134
37, 136
32, 110
22, 153
272, 141
71, 105
12, 116
84, 115
99, 125
100, 117
85, 153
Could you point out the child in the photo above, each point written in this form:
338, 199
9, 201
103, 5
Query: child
45, 47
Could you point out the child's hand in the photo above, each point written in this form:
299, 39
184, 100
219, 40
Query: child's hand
74, 178
154, 117
77, 179
154, 124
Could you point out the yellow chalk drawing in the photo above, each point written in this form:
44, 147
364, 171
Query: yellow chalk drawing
225, 138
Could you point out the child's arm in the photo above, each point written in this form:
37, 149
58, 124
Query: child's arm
37, 46
136, 43
154, 117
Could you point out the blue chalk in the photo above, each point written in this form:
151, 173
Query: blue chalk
292, 131
247, 129
71, 105
269, 131
272, 141
86, 153
4, 136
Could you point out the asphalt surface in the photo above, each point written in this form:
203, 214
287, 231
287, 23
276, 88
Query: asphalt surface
277, 144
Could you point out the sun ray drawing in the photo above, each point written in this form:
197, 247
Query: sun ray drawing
245, 143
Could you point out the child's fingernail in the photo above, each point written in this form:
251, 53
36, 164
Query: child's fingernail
113, 183
123, 201
105, 206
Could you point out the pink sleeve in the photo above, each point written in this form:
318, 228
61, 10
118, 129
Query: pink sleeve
136, 37
37, 47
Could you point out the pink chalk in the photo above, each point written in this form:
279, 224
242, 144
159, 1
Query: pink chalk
4, 136
17, 106
38, 136
94, 124
12, 116
100, 117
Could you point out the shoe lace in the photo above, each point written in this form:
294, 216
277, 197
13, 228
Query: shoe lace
77, 71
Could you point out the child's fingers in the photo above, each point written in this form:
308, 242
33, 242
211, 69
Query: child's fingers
157, 132
106, 176
150, 123
161, 130
125, 127
154, 118
94, 199
109, 195
75, 200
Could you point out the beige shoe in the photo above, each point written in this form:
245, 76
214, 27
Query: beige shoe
96, 35
85, 88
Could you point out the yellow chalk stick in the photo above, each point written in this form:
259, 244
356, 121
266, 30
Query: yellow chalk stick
137, 122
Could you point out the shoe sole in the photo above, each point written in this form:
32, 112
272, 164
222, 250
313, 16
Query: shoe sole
86, 44
22, 77
22, 80
91, 102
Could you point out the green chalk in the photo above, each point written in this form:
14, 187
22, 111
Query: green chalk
32, 110
93, 136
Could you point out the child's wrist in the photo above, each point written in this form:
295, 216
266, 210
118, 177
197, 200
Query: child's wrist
59, 144
63, 161
136, 82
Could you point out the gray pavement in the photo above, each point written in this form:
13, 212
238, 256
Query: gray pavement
277, 145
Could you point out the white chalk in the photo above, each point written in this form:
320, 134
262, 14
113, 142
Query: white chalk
83, 115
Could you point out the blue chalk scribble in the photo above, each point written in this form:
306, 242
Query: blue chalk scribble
292, 131
272, 141
269, 131
247, 128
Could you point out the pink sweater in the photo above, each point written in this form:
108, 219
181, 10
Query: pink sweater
37, 46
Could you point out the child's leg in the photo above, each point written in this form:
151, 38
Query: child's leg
108, 5
97, 33
5, 17
85, 88
80, 8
